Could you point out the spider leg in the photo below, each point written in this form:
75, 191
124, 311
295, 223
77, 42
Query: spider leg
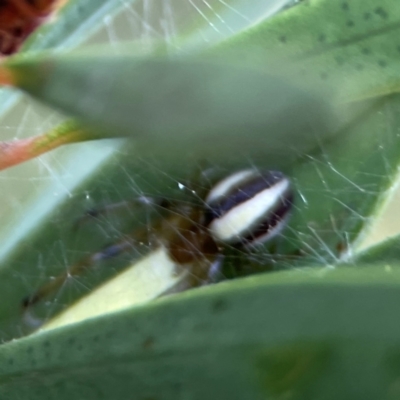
144, 235
204, 271
192, 247
105, 253
188, 242
214, 271
141, 201
199, 273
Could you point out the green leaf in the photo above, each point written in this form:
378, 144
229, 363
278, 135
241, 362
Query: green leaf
344, 183
306, 332
193, 103
350, 48
73, 24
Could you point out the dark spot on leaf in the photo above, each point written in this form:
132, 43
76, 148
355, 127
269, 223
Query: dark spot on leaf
29, 350
148, 343
392, 361
201, 326
11, 361
71, 341
350, 24
96, 338
367, 16
381, 12
283, 39
382, 63
345, 6
61, 385
132, 327
292, 368
177, 388
398, 48
366, 51
46, 343
321, 38
219, 305
324, 75
109, 334
339, 60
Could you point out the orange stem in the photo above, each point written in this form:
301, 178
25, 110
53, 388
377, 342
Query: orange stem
6, 76
19, 151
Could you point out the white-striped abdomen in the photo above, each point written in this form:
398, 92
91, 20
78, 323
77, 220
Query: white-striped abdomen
249, 207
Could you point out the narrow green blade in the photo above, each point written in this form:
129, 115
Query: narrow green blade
305, 333
386, 252
179, 106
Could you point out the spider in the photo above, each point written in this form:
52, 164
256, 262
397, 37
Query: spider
18, 19
243, 210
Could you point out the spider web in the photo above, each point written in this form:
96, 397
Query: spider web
53, 177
